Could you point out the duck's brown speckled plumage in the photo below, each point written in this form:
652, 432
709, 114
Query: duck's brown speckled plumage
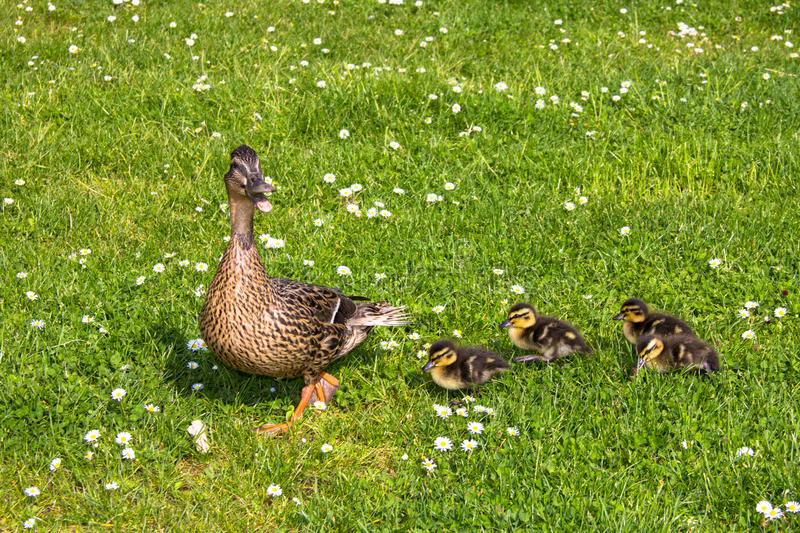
276, 326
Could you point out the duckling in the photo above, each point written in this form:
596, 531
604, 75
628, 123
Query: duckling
551, 337
639, 321
671, 352
276, 326
462, 367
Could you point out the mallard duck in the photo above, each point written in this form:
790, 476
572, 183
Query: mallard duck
551, 337
671, 352
461, 367
639, 321
276, 326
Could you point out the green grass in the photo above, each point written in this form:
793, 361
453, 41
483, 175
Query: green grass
598, 450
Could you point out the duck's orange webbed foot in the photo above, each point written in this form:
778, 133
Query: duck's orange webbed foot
325, 388
275, 429
271, 429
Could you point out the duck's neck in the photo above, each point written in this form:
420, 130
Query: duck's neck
241, 221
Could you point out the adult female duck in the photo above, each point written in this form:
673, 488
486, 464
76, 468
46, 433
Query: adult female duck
276, 326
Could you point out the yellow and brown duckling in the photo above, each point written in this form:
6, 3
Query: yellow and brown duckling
460, 367
640, 321
276, 326
673, 352
551, 337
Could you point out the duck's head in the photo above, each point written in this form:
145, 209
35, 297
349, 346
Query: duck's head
441, 353
520, 316
649, 347
633, 310
245, 180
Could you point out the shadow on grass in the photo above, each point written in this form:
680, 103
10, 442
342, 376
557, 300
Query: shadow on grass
222, 384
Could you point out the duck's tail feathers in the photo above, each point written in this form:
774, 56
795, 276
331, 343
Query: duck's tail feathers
378, 314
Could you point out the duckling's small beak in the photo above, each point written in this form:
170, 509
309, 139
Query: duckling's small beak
428, 366
617, 317
504, 324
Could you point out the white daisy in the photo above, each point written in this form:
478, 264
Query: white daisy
468, 445
774, 513
442, 411
118, 394
442, 444
475, 427
763, 507
745, 450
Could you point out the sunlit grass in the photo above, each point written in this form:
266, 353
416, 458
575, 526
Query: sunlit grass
698, 159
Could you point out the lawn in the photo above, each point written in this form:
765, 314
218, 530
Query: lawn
456, 157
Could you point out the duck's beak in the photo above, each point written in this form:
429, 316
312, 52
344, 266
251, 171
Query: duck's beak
257, 190
639, 366
428, 366
504, 324
261, 187
617, 317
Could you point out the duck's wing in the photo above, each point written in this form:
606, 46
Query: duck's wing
326, 304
